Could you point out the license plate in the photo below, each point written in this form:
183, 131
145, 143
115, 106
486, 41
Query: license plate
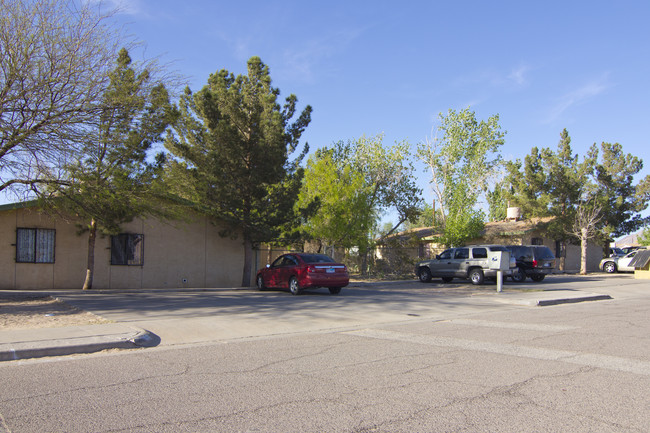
330, 270
547, 265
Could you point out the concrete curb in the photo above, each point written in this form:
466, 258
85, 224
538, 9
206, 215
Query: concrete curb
551, 297
572, 300
42, 344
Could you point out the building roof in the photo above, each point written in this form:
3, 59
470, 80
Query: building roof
513, 228
492, 229
19, 205
630, 240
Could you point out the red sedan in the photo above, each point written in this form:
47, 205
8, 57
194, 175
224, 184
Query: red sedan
298, 271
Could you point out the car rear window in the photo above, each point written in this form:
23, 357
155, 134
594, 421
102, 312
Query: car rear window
521, 252
316, 258
543, 253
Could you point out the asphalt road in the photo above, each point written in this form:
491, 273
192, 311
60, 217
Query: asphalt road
417, 358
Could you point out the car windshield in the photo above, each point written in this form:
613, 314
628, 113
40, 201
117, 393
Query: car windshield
316, 258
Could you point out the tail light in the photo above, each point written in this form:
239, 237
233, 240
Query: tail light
311, 269
534, 263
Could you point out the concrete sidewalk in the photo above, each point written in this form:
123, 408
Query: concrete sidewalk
36, 343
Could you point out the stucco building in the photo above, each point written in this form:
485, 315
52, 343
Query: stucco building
44, 252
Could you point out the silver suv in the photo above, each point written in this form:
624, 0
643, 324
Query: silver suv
471, 262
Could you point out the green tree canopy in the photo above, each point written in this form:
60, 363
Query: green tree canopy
620, 199
232, 152
355, 182
462, 158
555, 183
110, 181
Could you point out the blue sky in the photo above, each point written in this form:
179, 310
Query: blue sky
390, 67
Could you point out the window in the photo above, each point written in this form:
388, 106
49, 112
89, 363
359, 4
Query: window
127, 249
35, 245
462, 253
537, 241
479, 253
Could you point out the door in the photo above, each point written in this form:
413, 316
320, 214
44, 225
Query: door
460, 263
441, 265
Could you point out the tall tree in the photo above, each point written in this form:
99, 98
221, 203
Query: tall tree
619, 198
558, 184
356, 181
497, 202
567, 182
233, 145
552, 184
343, 218
585, 227
462, 158
526, 186
110, 181
55, 56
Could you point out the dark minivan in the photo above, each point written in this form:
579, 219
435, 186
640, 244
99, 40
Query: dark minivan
533, 261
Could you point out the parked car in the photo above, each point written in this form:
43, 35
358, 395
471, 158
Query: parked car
627, 250
616, 252
299, 271
472, 262
533, 261
618, 264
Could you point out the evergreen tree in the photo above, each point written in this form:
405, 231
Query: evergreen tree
620, 200
232, 153
110, 181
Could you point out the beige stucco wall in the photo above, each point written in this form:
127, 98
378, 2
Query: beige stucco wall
173, 252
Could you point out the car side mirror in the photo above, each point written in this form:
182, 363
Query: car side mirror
437, 256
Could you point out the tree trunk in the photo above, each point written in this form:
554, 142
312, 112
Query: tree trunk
90, 267
583, 251
248, 262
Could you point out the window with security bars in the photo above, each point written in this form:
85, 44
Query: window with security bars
35, 245
127, 249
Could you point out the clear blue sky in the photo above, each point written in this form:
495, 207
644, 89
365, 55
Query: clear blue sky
369, 67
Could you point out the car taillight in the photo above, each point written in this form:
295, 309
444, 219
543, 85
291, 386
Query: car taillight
534, 263
311, 269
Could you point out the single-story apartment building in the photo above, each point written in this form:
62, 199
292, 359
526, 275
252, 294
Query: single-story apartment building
423, 243
41, 251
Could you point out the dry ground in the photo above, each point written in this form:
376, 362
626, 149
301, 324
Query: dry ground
28, 312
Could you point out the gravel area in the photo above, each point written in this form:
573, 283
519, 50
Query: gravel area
29, 312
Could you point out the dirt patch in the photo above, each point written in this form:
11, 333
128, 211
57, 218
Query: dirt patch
29, 312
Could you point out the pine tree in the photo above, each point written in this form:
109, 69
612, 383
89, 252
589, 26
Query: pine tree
110, 182
232, 146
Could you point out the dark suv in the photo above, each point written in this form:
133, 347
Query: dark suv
534, 261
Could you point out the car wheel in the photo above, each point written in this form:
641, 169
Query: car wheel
335, 290
537, 277
260, 283
476, 276
609, 267
447, 279
424, 275
519, 276
294, 287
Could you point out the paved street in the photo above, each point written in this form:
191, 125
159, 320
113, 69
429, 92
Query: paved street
397, 357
